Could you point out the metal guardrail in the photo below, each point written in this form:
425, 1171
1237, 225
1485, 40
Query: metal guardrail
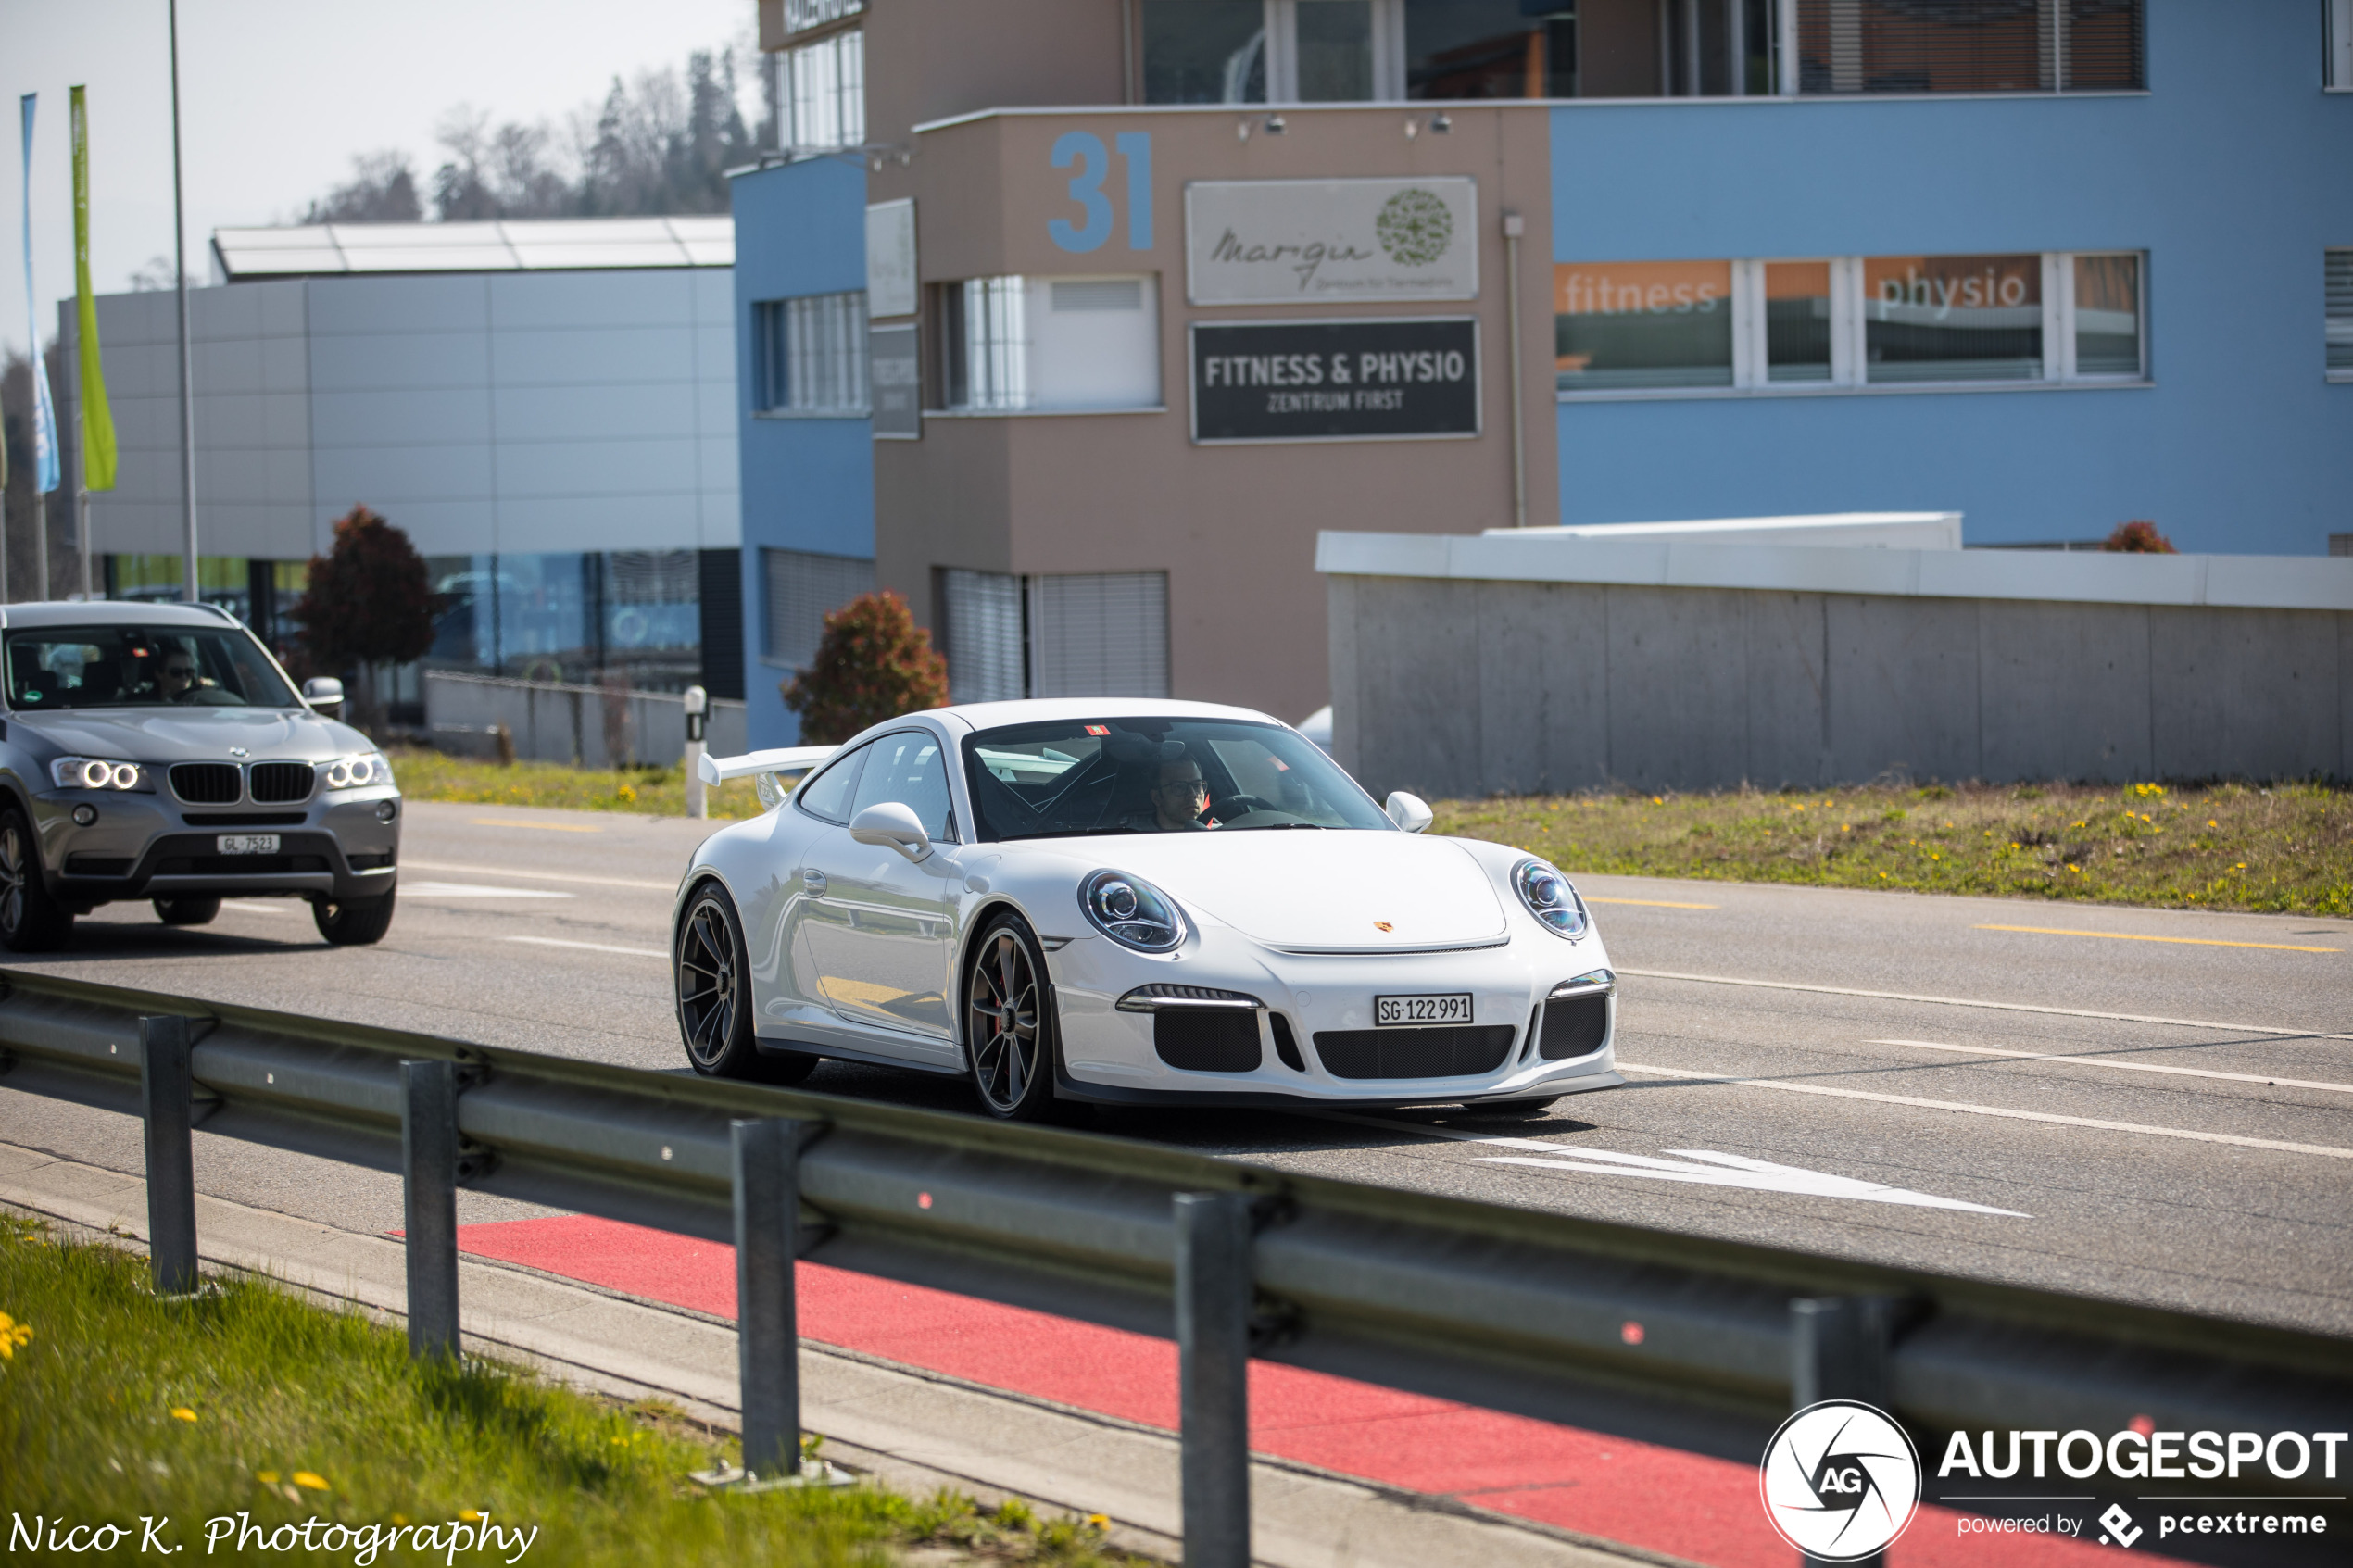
1697, 1343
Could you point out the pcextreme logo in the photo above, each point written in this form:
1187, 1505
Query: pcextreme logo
1840, 1480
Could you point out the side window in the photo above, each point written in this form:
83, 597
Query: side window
909, 768
827, 794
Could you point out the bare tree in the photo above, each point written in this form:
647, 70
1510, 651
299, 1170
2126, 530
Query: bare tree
382, 189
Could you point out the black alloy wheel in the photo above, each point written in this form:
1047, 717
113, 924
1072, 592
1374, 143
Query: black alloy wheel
715, 1003
31, 920
1009, 1023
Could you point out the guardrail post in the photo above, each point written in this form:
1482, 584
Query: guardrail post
1214, 1290
167, 1092
767, 1170
429, 1181
1837, 1350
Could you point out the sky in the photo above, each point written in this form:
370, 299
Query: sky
276, 98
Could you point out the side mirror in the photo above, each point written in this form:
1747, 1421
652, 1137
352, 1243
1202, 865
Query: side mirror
890, 822
323, 692
1407, 811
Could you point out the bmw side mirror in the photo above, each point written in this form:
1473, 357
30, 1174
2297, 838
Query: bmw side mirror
324, 693
1407, 811
890, 822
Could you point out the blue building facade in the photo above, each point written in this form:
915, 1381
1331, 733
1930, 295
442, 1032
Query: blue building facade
808, 476
2053, 263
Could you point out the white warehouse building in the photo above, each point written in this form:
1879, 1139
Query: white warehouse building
546, 409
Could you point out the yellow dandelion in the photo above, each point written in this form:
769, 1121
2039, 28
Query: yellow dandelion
1658, 800
470, 1515
1882, 876
400, 1518
183, 1413
12, 1334
311, 1481
2073, 867
266, 1477
2241, 866
1100, 1520
2212, 823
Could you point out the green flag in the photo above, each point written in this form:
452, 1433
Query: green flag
97, 419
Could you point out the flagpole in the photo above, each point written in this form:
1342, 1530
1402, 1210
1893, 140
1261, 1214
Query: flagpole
187, 388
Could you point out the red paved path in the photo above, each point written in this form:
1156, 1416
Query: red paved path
1704, 1510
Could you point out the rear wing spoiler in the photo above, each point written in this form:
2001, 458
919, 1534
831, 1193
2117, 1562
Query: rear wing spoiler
786, 759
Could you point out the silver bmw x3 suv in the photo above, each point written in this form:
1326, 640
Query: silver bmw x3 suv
159, 752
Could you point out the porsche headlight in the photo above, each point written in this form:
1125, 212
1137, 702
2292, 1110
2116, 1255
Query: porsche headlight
355, 772
95, 772
1549, 898
1131, 912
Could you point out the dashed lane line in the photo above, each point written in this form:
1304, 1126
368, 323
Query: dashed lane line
540, 876
2234, 1139
543, 827
1648, 903
591, 947
2123, 1066
2136, 936
1978, 1002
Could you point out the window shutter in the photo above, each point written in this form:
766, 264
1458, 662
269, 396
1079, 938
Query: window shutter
983, 613
798, 590
1100, 634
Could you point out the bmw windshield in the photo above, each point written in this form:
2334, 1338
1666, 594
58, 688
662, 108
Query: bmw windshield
53, 667
1110, 775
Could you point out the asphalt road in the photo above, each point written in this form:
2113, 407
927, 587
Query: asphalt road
2147, 1105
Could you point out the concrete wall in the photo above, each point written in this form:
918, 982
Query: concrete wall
521, 412
2229, 172
1454, 687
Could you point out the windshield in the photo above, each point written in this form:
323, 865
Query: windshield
1156, 775
142, 667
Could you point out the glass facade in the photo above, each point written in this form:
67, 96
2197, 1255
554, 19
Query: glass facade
1204, 51
1491, 49
572, 617
260, 593
1797, 320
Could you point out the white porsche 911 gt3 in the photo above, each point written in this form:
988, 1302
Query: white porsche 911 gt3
1129, 902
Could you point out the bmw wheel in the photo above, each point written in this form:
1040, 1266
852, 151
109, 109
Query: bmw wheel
1009, 1023
353, 922
31, 920
714, 1001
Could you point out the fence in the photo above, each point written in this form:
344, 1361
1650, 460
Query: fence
592, 726
1692, 1342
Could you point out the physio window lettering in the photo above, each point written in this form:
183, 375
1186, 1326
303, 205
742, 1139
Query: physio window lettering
1953, 318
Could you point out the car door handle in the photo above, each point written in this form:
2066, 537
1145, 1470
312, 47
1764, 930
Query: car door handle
813, 882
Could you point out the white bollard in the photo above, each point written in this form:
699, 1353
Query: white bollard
698, 720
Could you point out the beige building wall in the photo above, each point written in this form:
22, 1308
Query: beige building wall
1234, 526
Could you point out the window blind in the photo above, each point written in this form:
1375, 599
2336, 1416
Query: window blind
983, 611
1100, 633
2340, 312
1969, 46
799, 589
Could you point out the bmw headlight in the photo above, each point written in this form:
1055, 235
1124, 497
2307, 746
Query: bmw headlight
1549, 898
1131, 912
96, 773
355, 772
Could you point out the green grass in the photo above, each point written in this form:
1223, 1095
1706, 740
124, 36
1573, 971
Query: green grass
660, 792
2287, 850
249, 1401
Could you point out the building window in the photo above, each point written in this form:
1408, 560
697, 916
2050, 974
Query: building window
802, 15
1048, 344
1642, 324
808, 355
799, 589
1204, 51
1965, 45
1491, 49
1282, 51
2338, 68
823, 89
1630, 328
2339, 289
1055, 635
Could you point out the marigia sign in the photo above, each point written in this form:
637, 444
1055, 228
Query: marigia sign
1334, 381
1282, 242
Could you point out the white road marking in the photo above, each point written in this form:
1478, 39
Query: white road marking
472, 890
1974, 1002
1699, 1165
591, 947
2124, 1066
540, 876
2234, 1139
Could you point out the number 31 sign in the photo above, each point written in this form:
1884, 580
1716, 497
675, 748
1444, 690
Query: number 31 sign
1085, 149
